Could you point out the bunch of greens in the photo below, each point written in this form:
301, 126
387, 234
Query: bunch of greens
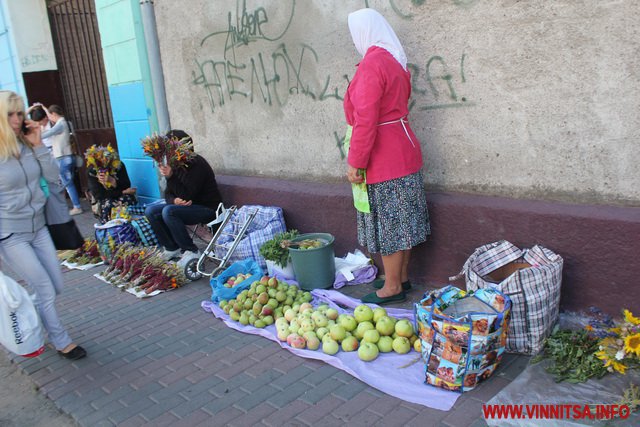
574, 356
272, 250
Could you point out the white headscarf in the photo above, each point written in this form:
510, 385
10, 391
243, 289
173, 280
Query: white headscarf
369, 28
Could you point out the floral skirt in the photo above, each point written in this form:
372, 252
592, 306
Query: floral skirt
399, 219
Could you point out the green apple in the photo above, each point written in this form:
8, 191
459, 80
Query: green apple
350, 344
321, 332
363, 313
417, 346
401, 345
385, 344
332, 314
385, 326
313, 343
371, 336
337, 332
348, 322
404, 328
319, 319
367, 351
362, 328
330, 346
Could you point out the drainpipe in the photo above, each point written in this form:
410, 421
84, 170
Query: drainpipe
155, 64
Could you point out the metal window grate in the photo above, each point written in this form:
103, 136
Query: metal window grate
76, 39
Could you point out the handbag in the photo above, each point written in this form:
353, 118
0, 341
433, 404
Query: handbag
22, 332
62, 228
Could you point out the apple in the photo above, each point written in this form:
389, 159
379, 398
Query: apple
348, 322
337, 332
363, 313
294, 326
296, 341
385, 344
332, 314
321, 332
413, 338
350, 344
362, 328
307, 325
304, 306
330, 346
417, 346
385, 326
319, 319
368, 351
290, 315
404, 328
282, 335
282, 321
313, 343
371, 336
401, 345
378, 312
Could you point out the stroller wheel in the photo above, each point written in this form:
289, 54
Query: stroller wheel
191, 271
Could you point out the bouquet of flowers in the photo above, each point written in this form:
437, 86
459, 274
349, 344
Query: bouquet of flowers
143, 269
102, 159
168, 151
619, 346
86, 254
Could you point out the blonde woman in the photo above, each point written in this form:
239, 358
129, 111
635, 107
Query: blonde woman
25, 243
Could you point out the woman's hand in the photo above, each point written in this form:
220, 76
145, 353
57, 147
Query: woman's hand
130, 190
165, 171
353, 175
181, 202
33, 135
105, 179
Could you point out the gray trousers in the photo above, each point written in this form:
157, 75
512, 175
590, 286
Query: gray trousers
32, 257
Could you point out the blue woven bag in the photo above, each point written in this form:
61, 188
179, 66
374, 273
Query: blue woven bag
119, 230
145, 232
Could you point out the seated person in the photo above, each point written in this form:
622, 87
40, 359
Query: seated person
191, 197
108, 196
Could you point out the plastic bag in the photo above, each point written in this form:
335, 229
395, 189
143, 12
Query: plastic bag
112, 234
360, 192
21, 333
268, 222
463, 335
532, 278
248, 266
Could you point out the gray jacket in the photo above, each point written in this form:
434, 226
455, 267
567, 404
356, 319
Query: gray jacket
60, 137
21, 197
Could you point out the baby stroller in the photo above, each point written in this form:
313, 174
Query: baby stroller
208, 264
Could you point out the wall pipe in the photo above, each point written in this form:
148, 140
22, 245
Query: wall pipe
155, 64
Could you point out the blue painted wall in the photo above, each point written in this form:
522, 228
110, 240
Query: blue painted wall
10, 75
129, 81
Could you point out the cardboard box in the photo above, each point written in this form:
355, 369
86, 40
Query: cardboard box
498, 275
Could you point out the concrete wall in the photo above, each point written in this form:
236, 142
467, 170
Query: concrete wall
523, 99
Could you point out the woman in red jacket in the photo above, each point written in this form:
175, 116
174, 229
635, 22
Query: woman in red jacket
383, 145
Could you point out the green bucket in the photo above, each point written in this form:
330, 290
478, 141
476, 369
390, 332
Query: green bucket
315, 267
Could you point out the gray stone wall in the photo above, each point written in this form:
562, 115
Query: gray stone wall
525, 99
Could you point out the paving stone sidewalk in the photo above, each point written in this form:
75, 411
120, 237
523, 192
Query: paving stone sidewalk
163, 360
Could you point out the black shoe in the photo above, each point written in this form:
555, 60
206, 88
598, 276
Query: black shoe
75, 354
379, 284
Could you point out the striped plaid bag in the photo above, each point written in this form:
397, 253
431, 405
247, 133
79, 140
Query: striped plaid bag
531, 278
268, 222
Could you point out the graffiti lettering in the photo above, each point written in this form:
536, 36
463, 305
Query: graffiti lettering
271, 81
270, 77
439, 85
